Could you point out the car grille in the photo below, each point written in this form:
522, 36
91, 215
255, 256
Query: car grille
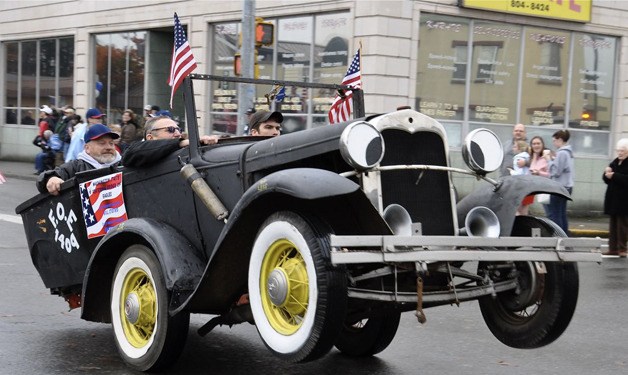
424, 194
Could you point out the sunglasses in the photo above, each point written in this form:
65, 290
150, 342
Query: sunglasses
169, 129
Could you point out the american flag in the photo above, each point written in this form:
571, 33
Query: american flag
183, 62
342, 108
103, 204
2, 179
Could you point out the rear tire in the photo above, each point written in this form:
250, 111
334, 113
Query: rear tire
369, 336
541, 310
147, 337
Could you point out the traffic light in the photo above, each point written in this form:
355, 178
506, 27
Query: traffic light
237, 65
264, 32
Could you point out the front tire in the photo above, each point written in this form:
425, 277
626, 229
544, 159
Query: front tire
540, 310
297, 297
147, 337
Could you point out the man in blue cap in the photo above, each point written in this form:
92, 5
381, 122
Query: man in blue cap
99, 152
93, 116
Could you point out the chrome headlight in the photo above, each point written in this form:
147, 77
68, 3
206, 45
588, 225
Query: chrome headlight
482, 151
361, 145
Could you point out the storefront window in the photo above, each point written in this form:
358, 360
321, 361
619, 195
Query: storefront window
493, 87
224, 95
120, 68
10, 83
545, 77
593, 78
307, 49
294, 46
37, 72
331, 58
442, 71
474, 73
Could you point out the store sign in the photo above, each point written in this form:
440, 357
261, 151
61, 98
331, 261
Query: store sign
573, 10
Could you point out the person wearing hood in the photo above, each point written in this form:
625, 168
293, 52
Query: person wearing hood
99, 152
561, 169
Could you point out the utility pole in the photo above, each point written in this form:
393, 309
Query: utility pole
246, 91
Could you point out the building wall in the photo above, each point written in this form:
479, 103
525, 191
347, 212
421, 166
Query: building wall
388, 32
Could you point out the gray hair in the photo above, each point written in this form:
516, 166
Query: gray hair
622, 144
47, 134
150, 123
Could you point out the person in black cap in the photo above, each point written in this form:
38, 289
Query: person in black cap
264, 123
99, 152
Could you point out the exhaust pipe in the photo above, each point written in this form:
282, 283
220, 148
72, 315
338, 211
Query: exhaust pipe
204, 192
481, 222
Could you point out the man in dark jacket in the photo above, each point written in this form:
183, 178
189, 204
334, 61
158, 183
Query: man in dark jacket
163, 137
99, 152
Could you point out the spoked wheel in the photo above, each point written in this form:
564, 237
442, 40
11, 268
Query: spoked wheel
540, 309
368, 336
147, 338
298, 298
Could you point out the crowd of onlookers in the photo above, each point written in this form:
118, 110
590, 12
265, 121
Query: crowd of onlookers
558, 164
61, 132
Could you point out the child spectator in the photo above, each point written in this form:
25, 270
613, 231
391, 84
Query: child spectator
521, 159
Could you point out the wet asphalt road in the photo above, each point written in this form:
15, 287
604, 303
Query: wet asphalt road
39, 336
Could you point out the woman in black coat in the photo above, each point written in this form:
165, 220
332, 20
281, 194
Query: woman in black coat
616, 200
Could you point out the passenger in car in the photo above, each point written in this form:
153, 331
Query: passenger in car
99, 152
165, 138
264, 123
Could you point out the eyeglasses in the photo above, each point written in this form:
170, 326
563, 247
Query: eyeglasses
169, 129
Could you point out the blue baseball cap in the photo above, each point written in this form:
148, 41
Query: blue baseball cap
93, 113
98, 130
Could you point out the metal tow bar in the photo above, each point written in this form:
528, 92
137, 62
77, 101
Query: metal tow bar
420, 315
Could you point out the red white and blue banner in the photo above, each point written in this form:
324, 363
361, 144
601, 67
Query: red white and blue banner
103, 204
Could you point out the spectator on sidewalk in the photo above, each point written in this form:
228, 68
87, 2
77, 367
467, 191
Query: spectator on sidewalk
45, 159
538, 167
518, 134
521, 159
616, 200
46, 121
561, 168
132, 131
77, 144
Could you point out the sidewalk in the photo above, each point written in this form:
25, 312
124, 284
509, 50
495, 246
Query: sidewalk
578, 226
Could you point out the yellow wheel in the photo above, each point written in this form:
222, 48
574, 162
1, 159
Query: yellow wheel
284, 287
298, 299
147, 338
138, 305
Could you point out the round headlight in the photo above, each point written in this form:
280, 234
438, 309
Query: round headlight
482, 151
362, 145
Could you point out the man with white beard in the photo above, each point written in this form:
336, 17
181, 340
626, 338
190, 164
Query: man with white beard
99, 152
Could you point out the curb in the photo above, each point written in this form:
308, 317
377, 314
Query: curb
588, 233
20, 176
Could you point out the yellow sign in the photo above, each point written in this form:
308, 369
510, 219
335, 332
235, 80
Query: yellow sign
573, 10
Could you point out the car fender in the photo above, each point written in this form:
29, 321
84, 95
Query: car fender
182, 264
505, 198
338, 201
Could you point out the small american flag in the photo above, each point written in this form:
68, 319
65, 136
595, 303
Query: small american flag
103, 204
183, 62
342, 107
2, 179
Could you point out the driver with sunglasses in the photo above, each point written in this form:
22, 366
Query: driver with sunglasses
163, 137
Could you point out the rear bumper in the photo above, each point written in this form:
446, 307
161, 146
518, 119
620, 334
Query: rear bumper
398, 249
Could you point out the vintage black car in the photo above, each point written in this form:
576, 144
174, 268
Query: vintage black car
333, 232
